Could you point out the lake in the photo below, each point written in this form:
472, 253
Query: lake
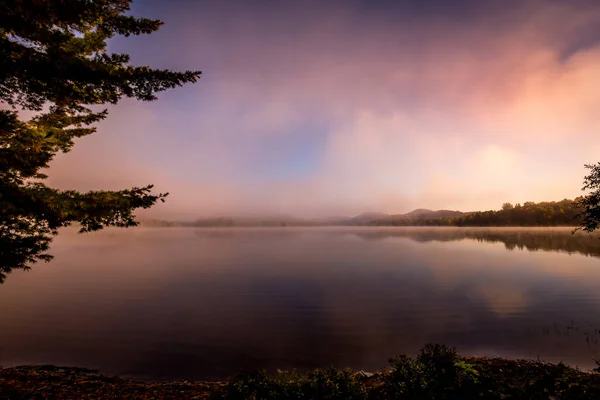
170, 303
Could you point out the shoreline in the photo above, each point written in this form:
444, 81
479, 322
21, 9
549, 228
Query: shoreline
489, 377
370, 226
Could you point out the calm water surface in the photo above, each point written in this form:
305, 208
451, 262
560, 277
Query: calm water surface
164, 303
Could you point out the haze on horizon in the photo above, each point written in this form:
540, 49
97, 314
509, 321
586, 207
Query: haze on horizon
314, 108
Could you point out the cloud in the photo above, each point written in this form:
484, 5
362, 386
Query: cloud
328, 109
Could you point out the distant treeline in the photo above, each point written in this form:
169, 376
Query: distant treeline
548, 213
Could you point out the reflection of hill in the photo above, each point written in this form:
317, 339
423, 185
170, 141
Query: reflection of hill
522, 239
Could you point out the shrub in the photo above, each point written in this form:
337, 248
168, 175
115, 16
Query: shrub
436, 373
328, 384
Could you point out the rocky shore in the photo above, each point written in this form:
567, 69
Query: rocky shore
436, 373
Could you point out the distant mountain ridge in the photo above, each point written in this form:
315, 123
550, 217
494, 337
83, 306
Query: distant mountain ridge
425, 213
377, 218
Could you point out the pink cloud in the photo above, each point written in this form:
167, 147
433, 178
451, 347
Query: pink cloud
429, 113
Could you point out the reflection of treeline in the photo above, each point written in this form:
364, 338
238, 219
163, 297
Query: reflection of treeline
532, 240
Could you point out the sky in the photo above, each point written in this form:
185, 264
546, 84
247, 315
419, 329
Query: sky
333, 108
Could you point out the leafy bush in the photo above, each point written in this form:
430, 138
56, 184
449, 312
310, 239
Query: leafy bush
436, 373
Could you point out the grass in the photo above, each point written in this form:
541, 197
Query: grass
436, 373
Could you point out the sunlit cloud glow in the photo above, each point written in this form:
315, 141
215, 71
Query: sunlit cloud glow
313, 109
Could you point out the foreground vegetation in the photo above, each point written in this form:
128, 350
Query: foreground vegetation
55, 65
436, 373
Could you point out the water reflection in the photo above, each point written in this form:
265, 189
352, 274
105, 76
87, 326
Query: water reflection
547, 239
183, 303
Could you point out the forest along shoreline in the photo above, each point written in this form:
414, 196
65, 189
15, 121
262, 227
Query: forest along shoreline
436, 372
564, 213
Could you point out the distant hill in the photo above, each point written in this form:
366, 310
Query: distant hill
369, 217
425, 213
419, 212
376, 218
